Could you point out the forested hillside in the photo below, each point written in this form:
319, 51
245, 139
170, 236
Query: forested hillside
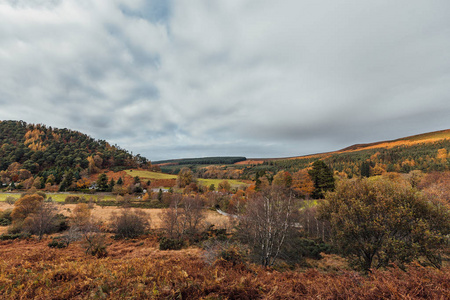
425, 152
41, 150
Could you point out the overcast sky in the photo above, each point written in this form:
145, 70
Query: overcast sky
193, 78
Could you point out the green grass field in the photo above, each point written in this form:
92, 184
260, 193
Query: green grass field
233, 182
58, 197
150, 174
206, 182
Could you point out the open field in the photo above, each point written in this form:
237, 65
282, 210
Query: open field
104, 214
60, 197
150, 174
206, 182
233, 182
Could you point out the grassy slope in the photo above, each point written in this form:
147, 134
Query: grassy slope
150, 174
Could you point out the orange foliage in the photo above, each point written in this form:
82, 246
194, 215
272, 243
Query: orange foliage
83, 183
250, 190
31, 270
302, 182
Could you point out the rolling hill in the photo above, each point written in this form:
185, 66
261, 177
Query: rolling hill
426, 152
44, 150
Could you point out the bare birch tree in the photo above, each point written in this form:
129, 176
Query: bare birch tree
269, 218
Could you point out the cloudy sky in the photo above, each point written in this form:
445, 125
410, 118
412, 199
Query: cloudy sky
193, 78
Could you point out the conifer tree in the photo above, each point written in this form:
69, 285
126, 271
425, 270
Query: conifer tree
323, 179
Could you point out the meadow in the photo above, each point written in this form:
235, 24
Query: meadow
143, 174
60, 197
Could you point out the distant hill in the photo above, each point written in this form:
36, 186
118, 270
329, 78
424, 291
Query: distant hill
425, 152
45, 150
216, 160
419, 138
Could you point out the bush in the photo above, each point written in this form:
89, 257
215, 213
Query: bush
61, 222
170, 244
95, 244
72, 199
129, 223
311, 248
232, 255
56, 243
14, 236
10, 200
5, 217
42, 194
217, 234
224, 251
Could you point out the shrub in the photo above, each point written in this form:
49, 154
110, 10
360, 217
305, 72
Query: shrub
10, 200
57, 243
299, 248
14, 236
170, 244
129, 223
231, 253
42, 194
5, 217
61, 222
95, 244
72, 199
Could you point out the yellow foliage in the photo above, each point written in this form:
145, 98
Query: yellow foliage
33, 140
25, 206
442, 154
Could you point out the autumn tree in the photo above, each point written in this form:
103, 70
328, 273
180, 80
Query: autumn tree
267, 223
43, 220
282, 179
183, 218
25, 206
185, 177
376, 222
85, 228
224, 186
302, 183
323, 179
81, 216
33, 215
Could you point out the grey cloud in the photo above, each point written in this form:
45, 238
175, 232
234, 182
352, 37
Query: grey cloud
193, 78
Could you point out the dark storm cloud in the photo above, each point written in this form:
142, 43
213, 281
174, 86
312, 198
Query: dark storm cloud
195, 78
